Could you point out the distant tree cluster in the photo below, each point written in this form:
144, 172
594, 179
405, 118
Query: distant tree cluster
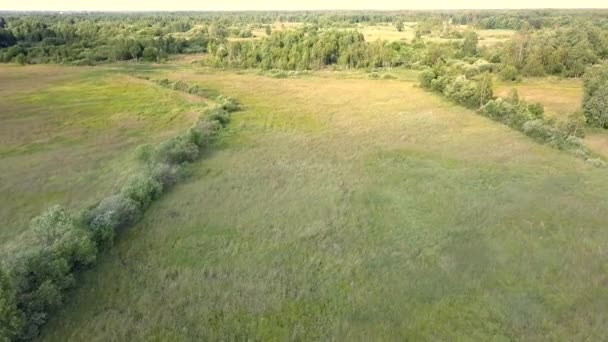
567, 52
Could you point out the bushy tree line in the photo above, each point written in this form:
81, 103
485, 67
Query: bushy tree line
34, 282
302, 49
476, 93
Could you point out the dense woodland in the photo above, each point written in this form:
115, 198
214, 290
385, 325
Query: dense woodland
547, 42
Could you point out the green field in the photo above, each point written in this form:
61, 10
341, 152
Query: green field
334, 207
67, 136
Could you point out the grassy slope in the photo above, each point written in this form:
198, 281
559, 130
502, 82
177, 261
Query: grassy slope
67, 136
358, 210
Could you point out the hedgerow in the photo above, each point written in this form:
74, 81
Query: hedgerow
35, 281
525, 117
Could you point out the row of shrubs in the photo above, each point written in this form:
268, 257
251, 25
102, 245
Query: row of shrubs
525, 117
469, 92
33, 283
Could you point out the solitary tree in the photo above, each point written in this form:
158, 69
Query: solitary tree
268, 30
469, 46
399, 26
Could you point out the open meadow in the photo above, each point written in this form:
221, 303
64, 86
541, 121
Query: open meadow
333, 207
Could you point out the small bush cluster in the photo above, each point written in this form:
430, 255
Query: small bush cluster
182, 86
35, 281
471, 93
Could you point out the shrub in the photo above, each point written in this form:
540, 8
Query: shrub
536, 109
144, 153
202, 132
440, 83
509, 73
112, 213
574, 125
167, 175
142, 188
463, 91
219, 114
227, 103
538, 130
176, 150
11, 320
389, 77
425, 77
373, 76
597, 162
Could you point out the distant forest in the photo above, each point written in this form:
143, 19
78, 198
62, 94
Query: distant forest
560, 42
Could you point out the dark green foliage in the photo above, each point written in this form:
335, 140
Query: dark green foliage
595, 101
7, 38
304, 49
469, 46
176, 151
142, 189
11, 319
426, 77
472, 93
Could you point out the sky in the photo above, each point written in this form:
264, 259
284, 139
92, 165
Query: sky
231, 5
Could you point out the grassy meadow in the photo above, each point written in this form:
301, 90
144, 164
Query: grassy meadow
67, 136
334, 207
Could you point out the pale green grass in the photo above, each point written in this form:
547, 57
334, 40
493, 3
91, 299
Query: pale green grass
352, 209
559, 96
67, 136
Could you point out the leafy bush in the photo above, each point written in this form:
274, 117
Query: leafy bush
228, 104
167, 175
43, 272
11, 319
595, 100
425, 77
112, 213
176, 150
509, 73
219, 114
574, 125
202, 132
143, 189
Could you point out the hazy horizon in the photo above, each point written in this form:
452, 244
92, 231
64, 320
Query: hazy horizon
276, 5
